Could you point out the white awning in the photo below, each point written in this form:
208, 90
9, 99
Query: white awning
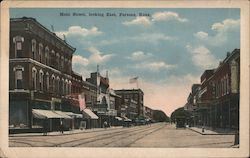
71, 114
43, 114
118, 118
126, 119
63, 114
90, 114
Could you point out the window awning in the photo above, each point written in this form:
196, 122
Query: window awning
71, 114
126, 119
118, 118
88, 113
43, 114
63, 114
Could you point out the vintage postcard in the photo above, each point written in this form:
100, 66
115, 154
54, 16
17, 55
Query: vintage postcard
124, 79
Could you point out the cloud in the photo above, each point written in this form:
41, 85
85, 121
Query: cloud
225, 25
79, 31
139, 20
154, 66
152, 38
78, 59
166, 16
139, 55
202, 57
97, 57
201, 35
222, 31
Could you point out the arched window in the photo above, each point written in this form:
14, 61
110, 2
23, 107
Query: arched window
58, 84
34, 72
18, 40
53, 83
33, 48
18, 77
62, 62
70, 87
66, 87
47, 81
47, 55
41, 80
63, 86
40, 52
57, 60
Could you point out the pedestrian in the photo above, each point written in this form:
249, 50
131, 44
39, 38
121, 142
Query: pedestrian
105, 124
61, 126
44, 127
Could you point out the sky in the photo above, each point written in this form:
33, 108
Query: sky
168, 49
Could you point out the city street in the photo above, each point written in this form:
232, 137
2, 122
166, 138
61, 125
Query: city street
155, 135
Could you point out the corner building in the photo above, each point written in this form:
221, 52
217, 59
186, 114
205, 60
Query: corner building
40, 67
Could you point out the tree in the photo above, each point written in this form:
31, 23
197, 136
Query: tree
160, 116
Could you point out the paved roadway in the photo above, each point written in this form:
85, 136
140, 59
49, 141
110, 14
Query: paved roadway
155, 135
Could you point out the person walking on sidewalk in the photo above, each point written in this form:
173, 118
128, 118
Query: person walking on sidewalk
61, 126
45, 127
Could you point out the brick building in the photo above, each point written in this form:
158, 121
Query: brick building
218, 98
40, 76
133, 94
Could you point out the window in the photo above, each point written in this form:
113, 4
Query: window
58, 84
63, 86
53, 83
33, 48
40, 52
41, 80
66, 87
18, 77
47, 81
62, 62
69, 87
34, 72
18, 40
57, 60
47, 55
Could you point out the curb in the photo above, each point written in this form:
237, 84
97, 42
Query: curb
211, 133
59, 134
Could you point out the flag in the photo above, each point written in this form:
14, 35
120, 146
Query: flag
82, 103
133, 80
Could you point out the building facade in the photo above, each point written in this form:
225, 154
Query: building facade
40, 73
135, 95
217, 101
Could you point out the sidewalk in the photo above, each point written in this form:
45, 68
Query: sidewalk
213, 132
58, 133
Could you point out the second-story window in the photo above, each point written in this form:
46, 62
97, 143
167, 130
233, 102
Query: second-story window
41, 80
63, 86
18, 77
47, 81
57, 60
40, 52
58, 84
53, 83
34, 72
33, 48
18, 40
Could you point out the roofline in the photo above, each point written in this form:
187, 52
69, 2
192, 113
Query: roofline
46, 29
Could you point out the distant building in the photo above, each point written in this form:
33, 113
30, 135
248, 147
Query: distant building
105, 106
148, 112
133, 94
